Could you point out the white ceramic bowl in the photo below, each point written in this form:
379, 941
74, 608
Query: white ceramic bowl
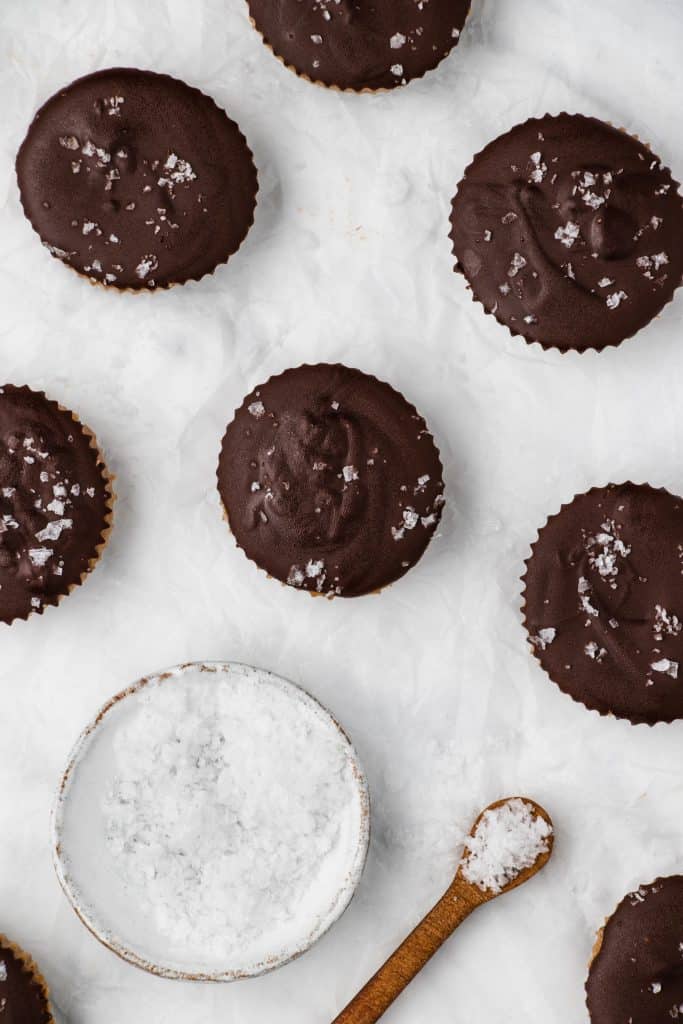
87, 871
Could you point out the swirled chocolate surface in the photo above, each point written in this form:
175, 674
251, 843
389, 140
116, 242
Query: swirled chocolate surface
353, 44
136, 179
54, 502
568, 231
23, 998
331, 481
604, 601
637, 974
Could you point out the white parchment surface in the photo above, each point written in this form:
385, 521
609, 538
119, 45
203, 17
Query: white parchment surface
348, 260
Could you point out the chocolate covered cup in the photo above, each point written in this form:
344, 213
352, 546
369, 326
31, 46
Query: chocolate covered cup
137, 180
359, 47
603, 601
330, 480
636, 973
56, 502
24, 996
568, 232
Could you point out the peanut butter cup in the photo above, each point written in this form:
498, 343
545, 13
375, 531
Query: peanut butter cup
55, 502
137, 180
330, 480
604, 601
360, 46
23, 992
637, 969
568, 232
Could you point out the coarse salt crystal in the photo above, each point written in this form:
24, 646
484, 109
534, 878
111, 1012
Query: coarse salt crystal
568, 234
666, 666
544, 637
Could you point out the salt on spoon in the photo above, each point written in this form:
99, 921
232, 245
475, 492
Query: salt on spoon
508, 844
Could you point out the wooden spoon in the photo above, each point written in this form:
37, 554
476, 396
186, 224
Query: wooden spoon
457, 903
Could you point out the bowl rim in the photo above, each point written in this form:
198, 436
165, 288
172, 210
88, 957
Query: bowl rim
78, 754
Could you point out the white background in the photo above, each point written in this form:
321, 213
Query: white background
349, 260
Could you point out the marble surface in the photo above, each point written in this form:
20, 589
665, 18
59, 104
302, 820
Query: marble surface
348, 260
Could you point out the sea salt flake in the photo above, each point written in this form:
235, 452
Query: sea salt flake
296, 577
593, 200
659, 259
584, 589
539, 170
350, 473
146, 266
614, 300
544, 637
397, 41
39, 556
665, 666
256, 409
113, 103
410, 518
665, 624
54, 529
517, 263
568, 234
594, 651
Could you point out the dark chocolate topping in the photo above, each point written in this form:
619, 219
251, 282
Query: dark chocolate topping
136, 179
356, 44
331, 481
637, 975
604, 601
23, 999
54, 502
569, 232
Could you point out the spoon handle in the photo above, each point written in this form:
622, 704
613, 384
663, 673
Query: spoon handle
412, 955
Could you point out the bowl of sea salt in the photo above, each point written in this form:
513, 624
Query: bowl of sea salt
212, 822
